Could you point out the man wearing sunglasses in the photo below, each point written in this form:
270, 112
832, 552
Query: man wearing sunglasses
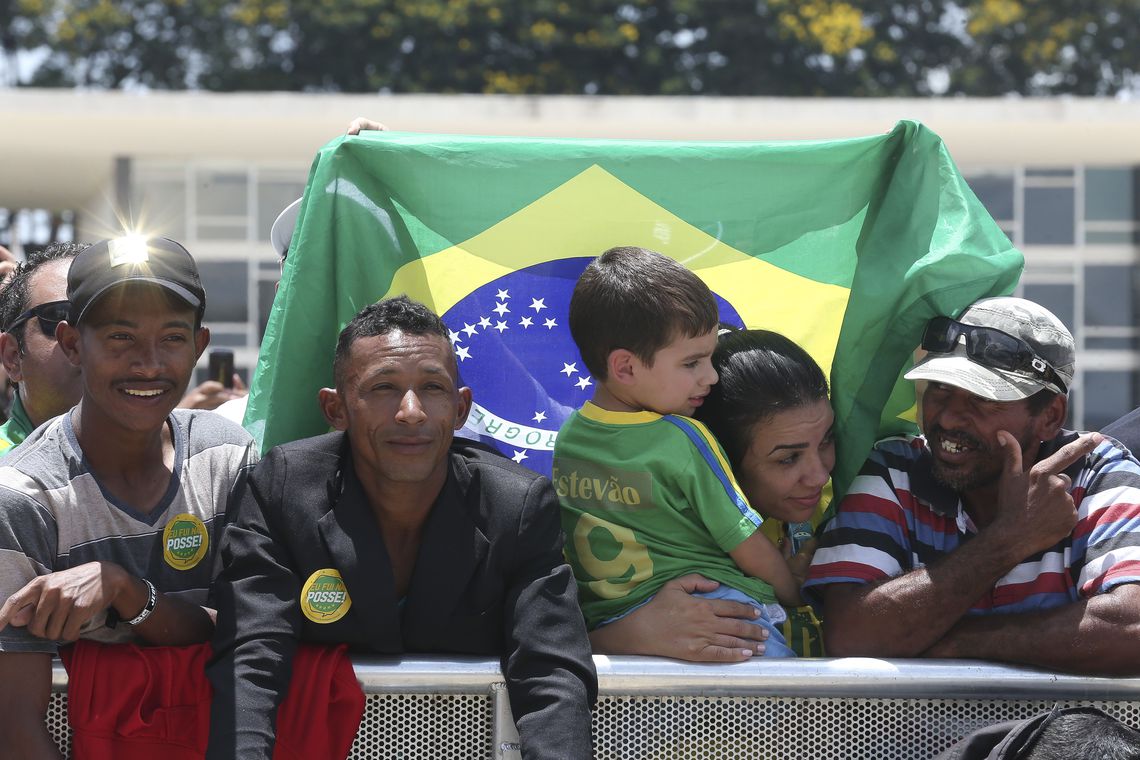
33, 302
997, 535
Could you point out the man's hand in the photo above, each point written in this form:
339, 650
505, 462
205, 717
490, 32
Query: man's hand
361, 124
57, 605
1035, 508
677, 624
212, 394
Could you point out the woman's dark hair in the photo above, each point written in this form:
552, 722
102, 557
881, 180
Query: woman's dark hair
761, 373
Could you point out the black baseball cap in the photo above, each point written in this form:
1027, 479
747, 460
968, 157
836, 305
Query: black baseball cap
118, 261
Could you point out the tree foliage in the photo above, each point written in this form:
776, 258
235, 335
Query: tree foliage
727, 47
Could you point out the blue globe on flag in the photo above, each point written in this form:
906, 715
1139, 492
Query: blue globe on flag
512, 343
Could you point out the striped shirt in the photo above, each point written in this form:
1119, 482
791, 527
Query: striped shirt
896, 517
646, 498
55, 515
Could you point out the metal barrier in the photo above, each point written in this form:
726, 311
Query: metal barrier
657, 709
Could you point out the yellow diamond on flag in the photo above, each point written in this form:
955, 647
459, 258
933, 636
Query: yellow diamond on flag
594, 211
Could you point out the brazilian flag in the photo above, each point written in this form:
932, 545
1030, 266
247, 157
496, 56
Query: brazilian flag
846, 246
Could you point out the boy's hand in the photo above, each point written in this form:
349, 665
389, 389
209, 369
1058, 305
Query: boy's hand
800, 562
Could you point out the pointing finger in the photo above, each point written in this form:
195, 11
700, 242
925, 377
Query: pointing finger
18, 608
1069, 453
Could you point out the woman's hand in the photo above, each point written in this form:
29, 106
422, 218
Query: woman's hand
677, 624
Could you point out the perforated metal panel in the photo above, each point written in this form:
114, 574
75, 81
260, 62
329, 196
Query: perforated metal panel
57, 722
856, 709
722, 728
424, 727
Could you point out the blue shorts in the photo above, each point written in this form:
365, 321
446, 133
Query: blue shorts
775, 645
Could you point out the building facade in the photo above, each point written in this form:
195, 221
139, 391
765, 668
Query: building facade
1061, 177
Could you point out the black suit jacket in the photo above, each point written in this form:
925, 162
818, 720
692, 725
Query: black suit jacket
489, 579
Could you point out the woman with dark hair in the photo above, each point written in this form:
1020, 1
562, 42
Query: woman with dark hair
770, 412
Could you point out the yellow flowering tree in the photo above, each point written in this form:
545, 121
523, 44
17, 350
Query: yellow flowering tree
728, 47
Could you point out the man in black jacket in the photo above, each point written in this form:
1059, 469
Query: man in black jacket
393, 538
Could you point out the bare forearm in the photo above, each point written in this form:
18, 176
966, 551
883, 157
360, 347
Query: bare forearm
1097, 635
759, 558
31, 741
627, 636
905, 615
173, 622
25, 690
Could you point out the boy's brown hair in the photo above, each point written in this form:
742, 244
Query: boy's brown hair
639, 300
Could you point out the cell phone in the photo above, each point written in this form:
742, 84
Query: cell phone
222, 366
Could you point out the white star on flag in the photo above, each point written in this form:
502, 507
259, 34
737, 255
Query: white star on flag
502, 295
500, 326
526, 322
539, 416
550, 324
455, 337
463, 352
484, 322
519, 456
583, 382
538, 304
501, 309
469, 329
569, 369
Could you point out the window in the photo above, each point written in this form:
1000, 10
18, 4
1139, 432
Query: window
1112, 206
1049, 216
1110, 296
227, 294
192, 203
1111, 194
1108, 396
158, 202
222, 202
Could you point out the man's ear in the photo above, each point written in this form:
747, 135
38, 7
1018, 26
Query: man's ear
201, 340
621, 365
464, 407
10, 355
1052, 417
332, 407
68, 339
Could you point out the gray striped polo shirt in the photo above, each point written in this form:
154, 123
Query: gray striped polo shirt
55, 515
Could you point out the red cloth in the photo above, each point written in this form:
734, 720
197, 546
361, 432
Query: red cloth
127, 702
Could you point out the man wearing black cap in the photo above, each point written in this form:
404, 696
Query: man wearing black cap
110, 514
998, 535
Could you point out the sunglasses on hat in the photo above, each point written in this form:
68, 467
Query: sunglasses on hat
991, 348
49, 315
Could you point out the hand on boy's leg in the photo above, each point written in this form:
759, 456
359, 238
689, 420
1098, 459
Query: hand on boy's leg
685, 627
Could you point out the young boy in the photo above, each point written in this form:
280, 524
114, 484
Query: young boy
646, 492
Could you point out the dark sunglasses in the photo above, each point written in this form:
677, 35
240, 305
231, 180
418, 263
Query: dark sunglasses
990, 347
49, 315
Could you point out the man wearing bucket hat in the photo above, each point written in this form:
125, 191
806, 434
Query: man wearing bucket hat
110, 514
997, 535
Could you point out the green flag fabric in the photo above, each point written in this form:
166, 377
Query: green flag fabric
846, 246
